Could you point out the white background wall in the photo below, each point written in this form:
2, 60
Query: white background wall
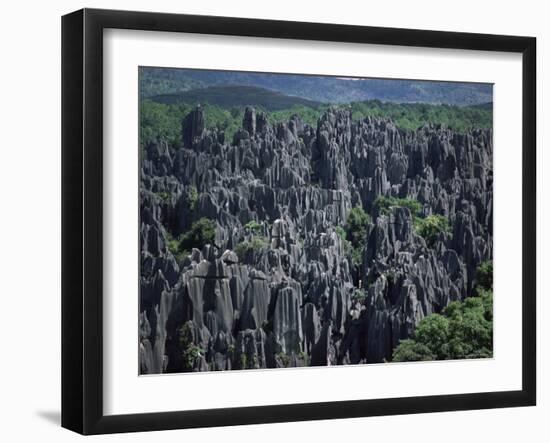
30, 280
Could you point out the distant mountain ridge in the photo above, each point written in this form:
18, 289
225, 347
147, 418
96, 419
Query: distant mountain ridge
167, 81
235, 96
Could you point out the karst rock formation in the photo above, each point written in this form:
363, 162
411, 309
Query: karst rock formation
292, 299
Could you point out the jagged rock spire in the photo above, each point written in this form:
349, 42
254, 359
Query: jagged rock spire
282, 287
192, 127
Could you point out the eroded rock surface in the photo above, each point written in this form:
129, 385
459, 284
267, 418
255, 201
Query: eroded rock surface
296, 298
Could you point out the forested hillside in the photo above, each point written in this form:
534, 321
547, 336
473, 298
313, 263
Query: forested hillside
156, 81
161, 116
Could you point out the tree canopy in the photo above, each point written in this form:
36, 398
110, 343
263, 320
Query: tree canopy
463, 330
163, 120
356, 230
202, 232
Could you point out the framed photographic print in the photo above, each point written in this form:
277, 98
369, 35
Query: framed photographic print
270, 221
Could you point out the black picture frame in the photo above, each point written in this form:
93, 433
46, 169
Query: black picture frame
82, 215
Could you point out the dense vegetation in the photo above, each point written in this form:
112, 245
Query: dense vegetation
414, 115
163, 120
202, 232
245, 248
484, 276
384, 204
429, 227
462, 330
355, 233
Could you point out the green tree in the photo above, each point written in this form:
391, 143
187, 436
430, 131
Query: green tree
245, 248
411, 116
253, 226
431, 227
385, 204
411, 350
307, 114
356, 230
158, 121
472, 327
190, 356
186, 347
463, 330
359, 296
163, 196
192, 198
428, 227
163, 120
340, 232
484, 275
202, 232
433, 332
357, 225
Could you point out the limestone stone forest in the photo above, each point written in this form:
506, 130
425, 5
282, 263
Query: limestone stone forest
293, 243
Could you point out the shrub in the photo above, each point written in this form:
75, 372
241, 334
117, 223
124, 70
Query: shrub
243, 361
346, 244
163, 196
357, 225
188, 349
356, 230
472, 327
357, 255
433, 332
283, 358
484, 275
192, 198
202, 232
340, 232
304, 357
411, 350
463, 330
190, 355
430, 227
359, 295
253, 226
244, 248
173, 246
385, 204
391, 276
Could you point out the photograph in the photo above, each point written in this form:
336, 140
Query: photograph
275, 221
290, 220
